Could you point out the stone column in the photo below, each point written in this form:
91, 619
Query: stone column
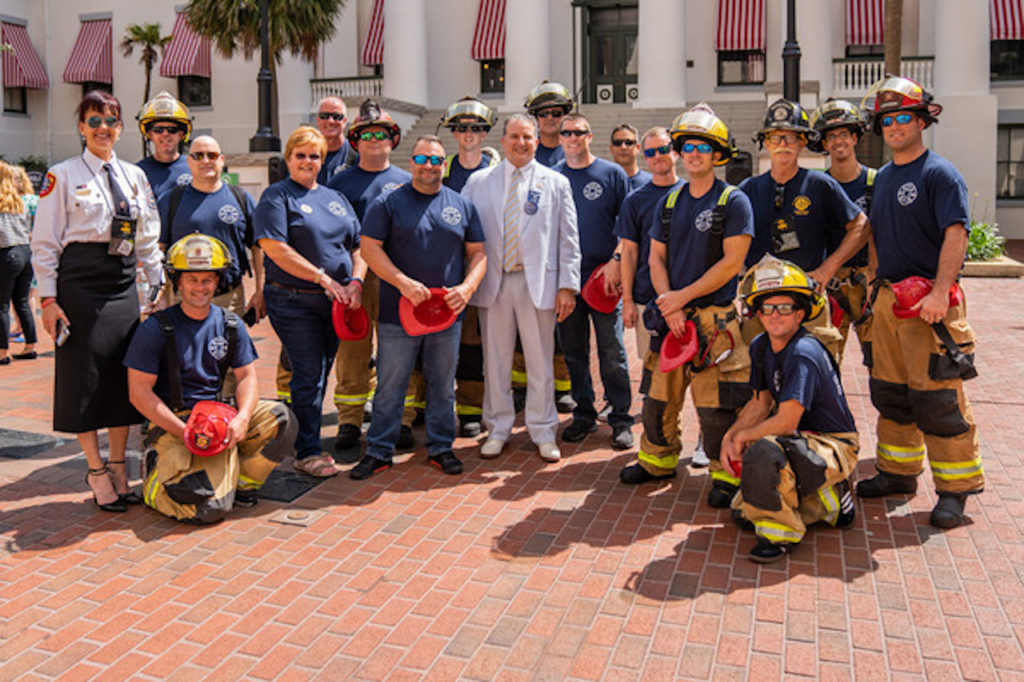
661, 36
527, 51
814, 33
405, 51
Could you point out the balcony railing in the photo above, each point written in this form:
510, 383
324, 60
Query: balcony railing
853, 77
355, 86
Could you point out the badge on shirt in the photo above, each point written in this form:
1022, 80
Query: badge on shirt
532, 201
592, 190
801, 204
451, 215
306, 208
784, 237
48, 184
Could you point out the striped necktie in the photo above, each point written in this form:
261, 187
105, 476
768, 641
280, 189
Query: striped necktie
512, 213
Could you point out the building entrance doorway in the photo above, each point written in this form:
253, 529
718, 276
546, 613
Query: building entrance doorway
610, 52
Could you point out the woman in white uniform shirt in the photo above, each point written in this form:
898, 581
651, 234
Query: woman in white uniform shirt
95, 221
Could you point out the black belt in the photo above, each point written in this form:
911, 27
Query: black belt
295, 290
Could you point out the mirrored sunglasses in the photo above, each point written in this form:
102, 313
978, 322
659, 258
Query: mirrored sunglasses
378, 135
701, 147
421, 159
902, 119
663, 149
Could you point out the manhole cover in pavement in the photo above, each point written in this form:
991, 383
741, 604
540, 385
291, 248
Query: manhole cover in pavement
22, 444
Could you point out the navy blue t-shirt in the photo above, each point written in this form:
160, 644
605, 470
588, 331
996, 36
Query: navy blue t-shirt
201, 344
549, 156
335, 162
637, 181
802, 371
911, 208
216, 214
424, 235
636, 215
856, 190
598, 190
687, 247
163, 177
361, 187
814, 211
320, 224
456, 175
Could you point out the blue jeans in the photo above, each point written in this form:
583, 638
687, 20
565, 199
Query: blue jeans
574, 335
396, 356
303, 323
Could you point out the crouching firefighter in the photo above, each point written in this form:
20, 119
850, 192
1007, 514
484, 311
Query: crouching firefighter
698, 244
795, 442
202, 456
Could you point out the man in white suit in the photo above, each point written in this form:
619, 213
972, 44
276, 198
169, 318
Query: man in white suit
532, 278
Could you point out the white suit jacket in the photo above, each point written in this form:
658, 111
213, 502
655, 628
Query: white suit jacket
548, 239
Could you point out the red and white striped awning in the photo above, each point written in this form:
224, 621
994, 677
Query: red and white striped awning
91, 56
188, 54
373, 46
865, 22
22, 68
1006, 19
740, 25
489, 36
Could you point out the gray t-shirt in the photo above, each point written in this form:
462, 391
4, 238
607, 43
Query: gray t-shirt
15, 229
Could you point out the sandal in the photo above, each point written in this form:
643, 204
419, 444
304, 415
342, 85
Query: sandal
119, 476
103, 493
318, 466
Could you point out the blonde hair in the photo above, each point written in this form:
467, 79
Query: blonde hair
25, 180
10, 196
302, 136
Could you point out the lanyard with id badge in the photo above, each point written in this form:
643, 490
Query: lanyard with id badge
122, 229
783, 232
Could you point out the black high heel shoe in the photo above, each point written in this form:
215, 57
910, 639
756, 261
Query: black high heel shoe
119, 476
102, 486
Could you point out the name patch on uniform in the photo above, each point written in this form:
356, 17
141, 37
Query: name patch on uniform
801, 204
451, 215
48, 184
592, 190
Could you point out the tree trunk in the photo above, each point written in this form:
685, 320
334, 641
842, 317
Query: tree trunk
893, 35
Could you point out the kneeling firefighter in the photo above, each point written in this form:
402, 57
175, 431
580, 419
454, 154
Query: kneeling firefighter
202, 455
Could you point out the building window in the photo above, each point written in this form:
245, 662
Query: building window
1010, 162
1007, 60
740, 67
15, 100
89, 86
194, 91
492, 75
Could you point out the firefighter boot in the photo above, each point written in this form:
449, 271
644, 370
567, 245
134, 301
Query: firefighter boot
949, 511
887, 484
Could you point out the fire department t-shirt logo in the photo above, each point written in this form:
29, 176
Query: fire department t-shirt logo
451, 215
390, 187
306, 208
801, 204
592, 190
862, 203
337, 209
906, 194
228, 214
218, 347
182, 180
703, 220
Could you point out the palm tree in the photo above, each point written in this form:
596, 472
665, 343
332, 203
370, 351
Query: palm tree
298, 27
147, 37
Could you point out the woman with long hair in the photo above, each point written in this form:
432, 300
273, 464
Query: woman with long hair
15, 265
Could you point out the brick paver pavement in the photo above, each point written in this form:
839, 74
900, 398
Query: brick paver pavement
517, 569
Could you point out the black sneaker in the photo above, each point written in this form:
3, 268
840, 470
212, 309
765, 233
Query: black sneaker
721, 495
405, 439
447, 462
348, 437
847, 512
368, 466
246, 498
622, 437
578, 430
518, 398
765, 552
635, 474
469, 428
949, 510
564, 402
887, 484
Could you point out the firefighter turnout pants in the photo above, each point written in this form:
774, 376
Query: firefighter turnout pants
918, 392
469, 373
851, 295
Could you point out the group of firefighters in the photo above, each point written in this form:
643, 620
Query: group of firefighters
744, 294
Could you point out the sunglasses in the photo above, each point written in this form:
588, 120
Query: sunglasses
623, 143
902, 119
421, 159
378, 135
573, 133
209, 156
96, 121
551, 113
663, 149
170, 130
464, 127
701, 147
784, 309
302, 157
780, 196
325, 115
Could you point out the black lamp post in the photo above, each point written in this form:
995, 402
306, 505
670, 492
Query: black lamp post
264, 140
791, 56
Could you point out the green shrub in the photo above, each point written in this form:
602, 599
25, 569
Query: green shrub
984, 242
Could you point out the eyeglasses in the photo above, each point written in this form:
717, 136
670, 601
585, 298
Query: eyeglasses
836, 135
623, 142
780, 196
334, 116
464, 127
784, 309
302, 157
209, 156
421, 159
663, 149
700, 147
96, 121
786, 139
378, 135
550, 113
170, 130
902, 119
573, 133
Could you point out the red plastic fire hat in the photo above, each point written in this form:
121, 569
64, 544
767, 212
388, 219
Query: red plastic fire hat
350, 324
593, 294
429, 317
206, 431
836, 309
676, 351
912, 289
